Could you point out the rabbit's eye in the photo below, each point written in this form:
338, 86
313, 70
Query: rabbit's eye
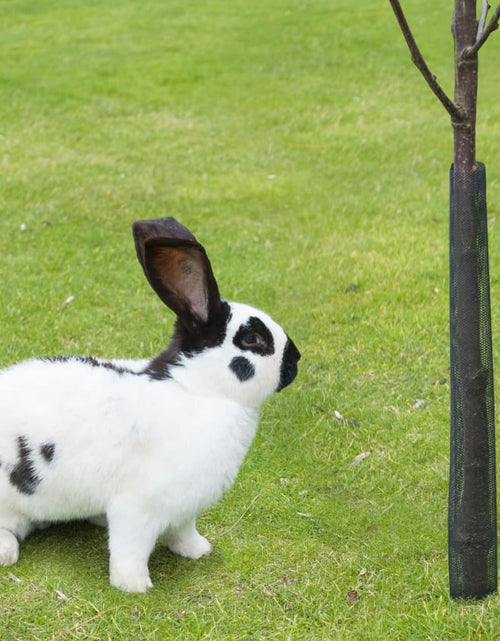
255, 337
252, 340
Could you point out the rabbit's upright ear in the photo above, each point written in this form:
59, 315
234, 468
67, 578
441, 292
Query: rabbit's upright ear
177, 268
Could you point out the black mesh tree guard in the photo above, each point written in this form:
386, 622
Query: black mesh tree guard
472, 529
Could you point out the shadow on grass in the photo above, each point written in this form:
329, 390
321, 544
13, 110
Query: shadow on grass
76, 554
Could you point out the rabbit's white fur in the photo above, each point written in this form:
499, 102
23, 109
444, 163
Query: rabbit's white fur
147, 447
149, 454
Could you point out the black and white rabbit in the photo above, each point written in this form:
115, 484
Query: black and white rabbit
146, 444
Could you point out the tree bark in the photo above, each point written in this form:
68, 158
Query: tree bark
464, 29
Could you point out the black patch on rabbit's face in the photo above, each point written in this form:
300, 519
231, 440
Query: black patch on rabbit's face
242, 368
288, 371
254, 336
23, 475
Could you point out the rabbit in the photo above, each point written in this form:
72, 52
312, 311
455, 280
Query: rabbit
141, 446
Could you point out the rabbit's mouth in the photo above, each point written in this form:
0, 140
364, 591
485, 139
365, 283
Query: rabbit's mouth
288, 372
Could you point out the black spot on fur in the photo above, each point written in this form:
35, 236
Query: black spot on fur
47, 451
189, 340
255, 337
242, 367
24, 476
288, 372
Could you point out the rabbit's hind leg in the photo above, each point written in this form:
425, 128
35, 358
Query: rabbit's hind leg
186, 541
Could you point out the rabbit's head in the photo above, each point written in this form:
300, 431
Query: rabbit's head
218, 348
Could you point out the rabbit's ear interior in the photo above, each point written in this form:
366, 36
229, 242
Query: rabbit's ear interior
177, 268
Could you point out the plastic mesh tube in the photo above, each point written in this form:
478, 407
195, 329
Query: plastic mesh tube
472, 526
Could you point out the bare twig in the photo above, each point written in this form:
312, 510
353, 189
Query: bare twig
482, 19
456, 113
492, 26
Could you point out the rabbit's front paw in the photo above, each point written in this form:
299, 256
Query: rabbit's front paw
9, 547
129, 581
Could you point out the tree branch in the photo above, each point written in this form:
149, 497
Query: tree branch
482, 19
468, 52
456, 113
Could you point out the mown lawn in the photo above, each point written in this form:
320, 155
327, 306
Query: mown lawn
302, 148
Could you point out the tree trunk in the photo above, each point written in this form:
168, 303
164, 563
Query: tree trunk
472, 511
464, 32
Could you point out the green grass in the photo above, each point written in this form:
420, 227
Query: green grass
303, 149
